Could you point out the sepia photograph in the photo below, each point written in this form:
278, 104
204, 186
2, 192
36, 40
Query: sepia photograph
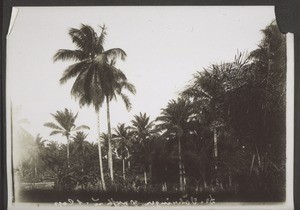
181, 106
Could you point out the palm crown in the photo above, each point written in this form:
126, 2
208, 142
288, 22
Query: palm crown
65, 123
96, 76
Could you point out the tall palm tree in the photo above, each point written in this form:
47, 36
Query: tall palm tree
114, 88
123, 136
65, 126
175, 124
94, 72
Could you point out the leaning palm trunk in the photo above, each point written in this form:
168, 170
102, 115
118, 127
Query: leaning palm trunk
100, 153
180, 166
110, 160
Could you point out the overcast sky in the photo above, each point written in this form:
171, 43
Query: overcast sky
165, 47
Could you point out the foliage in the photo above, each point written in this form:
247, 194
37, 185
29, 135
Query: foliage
224, 133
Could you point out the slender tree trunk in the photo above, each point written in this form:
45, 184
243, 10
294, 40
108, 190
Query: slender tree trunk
252, 162
204, 181
258, 157
100, 152
128, 163
183, 176
124, 176
35, 170
68, 151
165, 186
229, 179
150, 173
197, 185
165, 179
215, 143
110, 159
216, 151
180, 165
145, 177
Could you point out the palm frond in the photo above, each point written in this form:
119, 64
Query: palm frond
127, 85
82, 127
84, 38
73, 55
56, 132
74, 70
126, 100
101, 39
53, 126
115, 53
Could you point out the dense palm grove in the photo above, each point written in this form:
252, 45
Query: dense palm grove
224, 132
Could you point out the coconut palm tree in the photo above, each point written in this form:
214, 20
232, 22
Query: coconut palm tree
175, 123
94, 72
114, 88
65, 125
123, 137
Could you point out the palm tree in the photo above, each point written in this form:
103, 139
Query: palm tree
123, 136
81, 146
65, 126
269, 62
114, 82
94, 72
175, 123
143, 130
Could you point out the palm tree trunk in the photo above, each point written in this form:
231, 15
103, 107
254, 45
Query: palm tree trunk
145, 177
100, 152
258, 157
216, 151
180, 165
150, 173
124, 176
68, 151
215, 143
204, 181
35, 170
229, 180
252, 162
165, 186
183, 176
110, 160
128, 163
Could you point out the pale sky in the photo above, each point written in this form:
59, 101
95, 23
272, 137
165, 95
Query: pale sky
165, 47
